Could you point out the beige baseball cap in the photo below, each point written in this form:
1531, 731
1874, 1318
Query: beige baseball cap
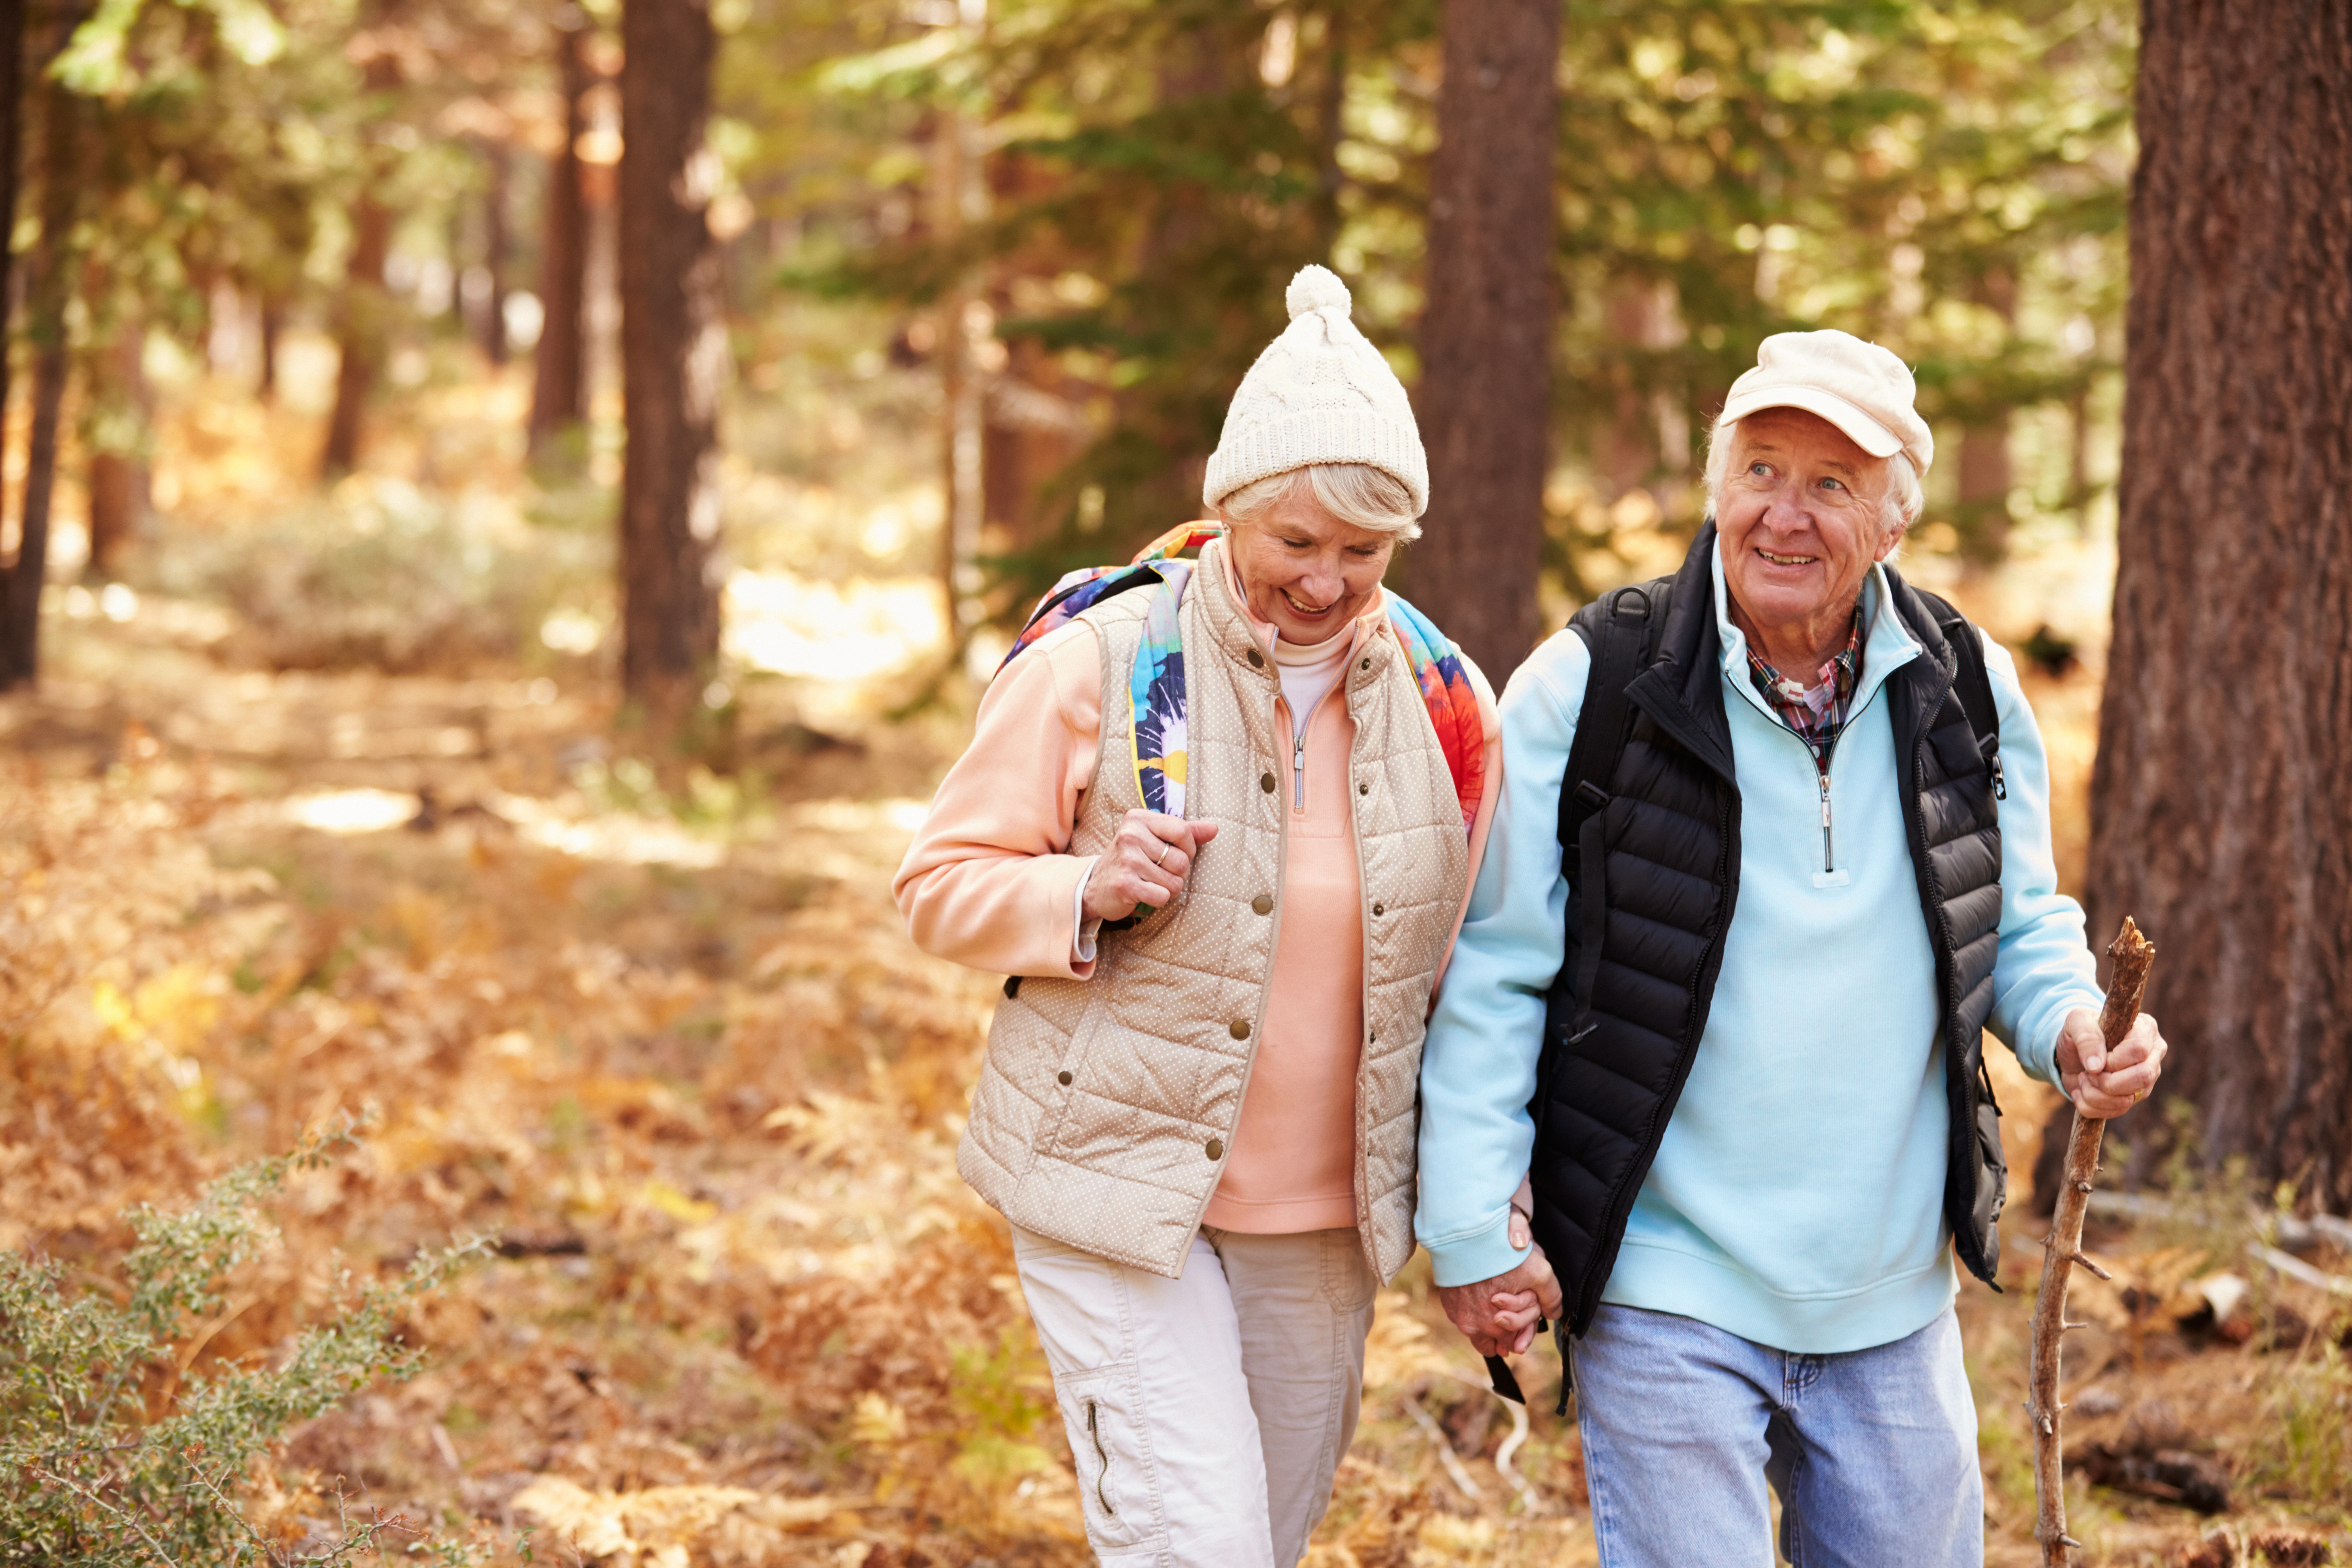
1861, 388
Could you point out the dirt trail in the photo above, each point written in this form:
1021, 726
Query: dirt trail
659, 1038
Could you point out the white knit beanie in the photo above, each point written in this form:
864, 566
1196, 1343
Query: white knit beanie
1319, 393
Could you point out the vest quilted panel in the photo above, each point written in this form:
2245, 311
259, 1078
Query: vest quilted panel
1622, 1025
1159, 1044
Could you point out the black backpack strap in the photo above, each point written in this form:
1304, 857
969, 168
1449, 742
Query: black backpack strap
1971, 684
1628, 639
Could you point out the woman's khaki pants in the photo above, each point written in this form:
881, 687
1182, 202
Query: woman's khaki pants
1207, 1413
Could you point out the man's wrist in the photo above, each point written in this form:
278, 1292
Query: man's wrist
1467, 1260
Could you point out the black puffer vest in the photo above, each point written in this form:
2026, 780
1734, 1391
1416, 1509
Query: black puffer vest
1652, 863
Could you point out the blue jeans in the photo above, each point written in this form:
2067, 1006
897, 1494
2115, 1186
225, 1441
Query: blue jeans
1873, 1452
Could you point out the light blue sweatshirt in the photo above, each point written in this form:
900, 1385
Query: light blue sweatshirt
1797, 1196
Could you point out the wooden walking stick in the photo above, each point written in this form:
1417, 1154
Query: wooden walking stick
2063, 1248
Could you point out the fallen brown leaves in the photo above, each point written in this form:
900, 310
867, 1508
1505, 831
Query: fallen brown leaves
703, 1106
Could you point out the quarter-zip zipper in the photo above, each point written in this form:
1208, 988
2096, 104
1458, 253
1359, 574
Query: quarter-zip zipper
1820, 760
1298, 744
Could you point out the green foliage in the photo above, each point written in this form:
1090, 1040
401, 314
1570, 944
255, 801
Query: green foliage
381, 573
112, 1448
1001, 1394
2304, 1447
1944, 176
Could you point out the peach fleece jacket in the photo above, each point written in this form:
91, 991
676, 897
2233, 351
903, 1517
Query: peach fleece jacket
988, 882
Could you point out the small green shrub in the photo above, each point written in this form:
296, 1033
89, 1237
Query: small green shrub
381, 573
106, 1457
2304, 1447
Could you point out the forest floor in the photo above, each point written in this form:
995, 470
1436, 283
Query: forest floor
656, 1032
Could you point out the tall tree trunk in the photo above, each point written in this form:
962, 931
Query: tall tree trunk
12, 74
1330, 129
120, 483
48, 291
673, 357
2219, 814
558, 369
359, 331
1485, 337
361, 326
273, 322
1985, 473
494, 251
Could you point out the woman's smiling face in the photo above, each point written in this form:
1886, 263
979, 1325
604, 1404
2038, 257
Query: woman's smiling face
1307, 572
1803, 515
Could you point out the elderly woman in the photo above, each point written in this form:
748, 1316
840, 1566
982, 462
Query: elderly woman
1773, 850
1219, 828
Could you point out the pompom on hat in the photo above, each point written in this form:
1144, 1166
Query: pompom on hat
1319, 393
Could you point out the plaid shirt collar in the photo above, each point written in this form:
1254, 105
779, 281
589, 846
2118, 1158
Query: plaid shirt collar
1819, 715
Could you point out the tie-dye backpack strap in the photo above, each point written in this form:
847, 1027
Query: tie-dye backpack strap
1156, 703
1184, 536
1451, 702
1155, 694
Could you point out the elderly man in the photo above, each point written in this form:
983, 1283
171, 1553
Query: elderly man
1773, 850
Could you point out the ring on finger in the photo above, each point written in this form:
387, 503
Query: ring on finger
1162, 858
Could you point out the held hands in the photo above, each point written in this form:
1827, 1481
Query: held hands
2102, 1084
1498, 1315
1146, 864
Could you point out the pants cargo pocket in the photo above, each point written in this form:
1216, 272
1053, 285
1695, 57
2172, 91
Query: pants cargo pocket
1114, 1468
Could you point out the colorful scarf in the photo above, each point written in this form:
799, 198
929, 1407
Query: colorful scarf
1156, 702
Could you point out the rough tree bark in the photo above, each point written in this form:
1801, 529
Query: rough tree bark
673, 356
48, 291
360, 314
1485, 397
560, 381
2219, 814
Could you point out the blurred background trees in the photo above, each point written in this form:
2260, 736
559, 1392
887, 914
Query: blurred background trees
1068, 222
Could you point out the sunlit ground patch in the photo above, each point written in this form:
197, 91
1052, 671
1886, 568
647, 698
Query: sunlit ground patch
788, 625
350, 811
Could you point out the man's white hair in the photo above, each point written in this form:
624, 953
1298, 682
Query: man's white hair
1904, 499
1356, 493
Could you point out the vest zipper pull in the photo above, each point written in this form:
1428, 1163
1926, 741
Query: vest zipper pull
1298, 769
2000, 783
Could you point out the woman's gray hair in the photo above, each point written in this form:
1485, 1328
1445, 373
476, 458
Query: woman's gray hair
1356, 493
1904, 499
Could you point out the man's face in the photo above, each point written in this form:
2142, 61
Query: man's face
1802, 516
1307, 572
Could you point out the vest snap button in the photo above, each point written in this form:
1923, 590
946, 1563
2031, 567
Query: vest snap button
1364, 789
1380, 909
1063, 1078
1263, 904
1215, 1149
1265, 783
1239, 1029
1257, 659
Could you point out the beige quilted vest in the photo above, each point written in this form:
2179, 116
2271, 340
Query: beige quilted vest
1106, 1105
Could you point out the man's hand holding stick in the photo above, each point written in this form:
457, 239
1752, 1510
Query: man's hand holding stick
2063, 1248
